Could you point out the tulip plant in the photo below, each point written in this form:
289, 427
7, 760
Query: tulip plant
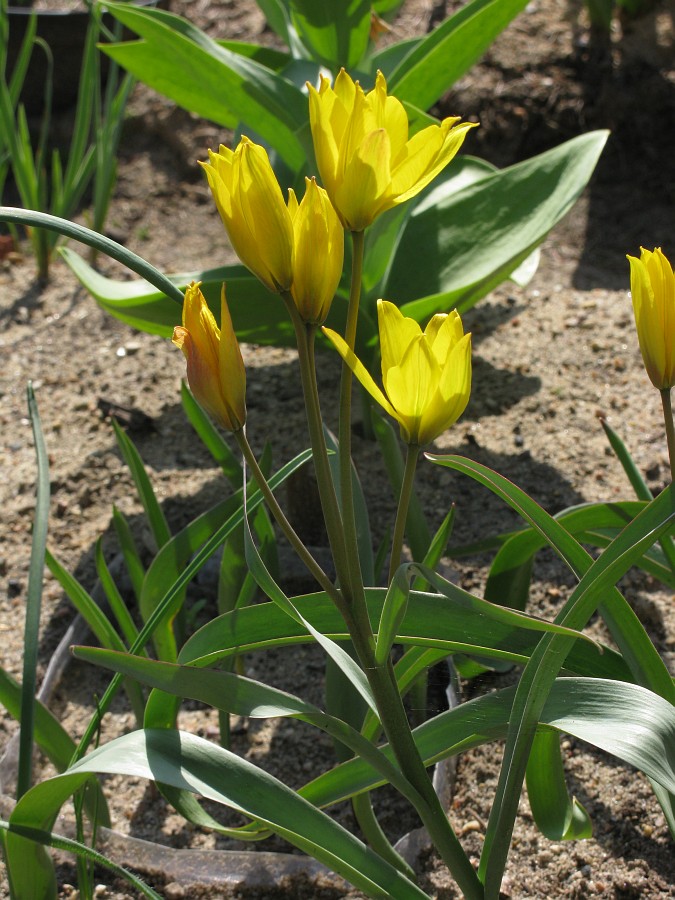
621, 699
421, 251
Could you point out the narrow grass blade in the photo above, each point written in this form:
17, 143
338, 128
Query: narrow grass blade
157, 521
33, 600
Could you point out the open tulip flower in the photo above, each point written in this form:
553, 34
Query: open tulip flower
366, 160
319, 252
652, 287
426, 374
215, 368
253, 211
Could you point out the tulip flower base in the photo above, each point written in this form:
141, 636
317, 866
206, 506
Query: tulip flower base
548, 358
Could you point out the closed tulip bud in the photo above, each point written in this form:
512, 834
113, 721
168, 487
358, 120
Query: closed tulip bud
319, 252
366, 159
652, 286
426, 374
215, 368
253, 211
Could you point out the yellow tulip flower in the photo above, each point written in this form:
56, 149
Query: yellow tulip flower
215, 368
319, 252
426, 374
652, 286
253, 211
366, 160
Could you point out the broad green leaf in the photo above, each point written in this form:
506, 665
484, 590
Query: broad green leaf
626, 629
244, 697
54, 741
384, 235
544, 665
508, 581
259, 316
453, 252
189, 762
439, 60
558, 816
178, 60
431, 621
336, 34
626, 720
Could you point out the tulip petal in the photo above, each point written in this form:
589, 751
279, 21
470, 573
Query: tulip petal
396, 333
420, 166
231, 368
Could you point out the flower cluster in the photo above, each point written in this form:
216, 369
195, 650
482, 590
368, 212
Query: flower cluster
368, 163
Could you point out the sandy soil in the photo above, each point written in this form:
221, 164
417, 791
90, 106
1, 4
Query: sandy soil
548, 359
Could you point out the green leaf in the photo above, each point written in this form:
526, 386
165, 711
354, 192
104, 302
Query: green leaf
178, 60
132, 558
31, 636
167, 566
187, 574
431, 621
192, 763
639, 485
393, 612
558, 816
454, 251
156, 519
383, 236
450, 50
60, 842
628, 721
54, 741
212, 439
97, 621
336, 34
115, 600
98, 241
340, 657
540, 672
636, 647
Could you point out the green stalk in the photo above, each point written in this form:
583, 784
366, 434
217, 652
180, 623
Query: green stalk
670, 431
305, 337
407, 483
382, 680
282, 521
345, 426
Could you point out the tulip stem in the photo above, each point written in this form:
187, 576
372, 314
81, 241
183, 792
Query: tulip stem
305, 336
403, 506
345, 426
282, 521
670, 431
